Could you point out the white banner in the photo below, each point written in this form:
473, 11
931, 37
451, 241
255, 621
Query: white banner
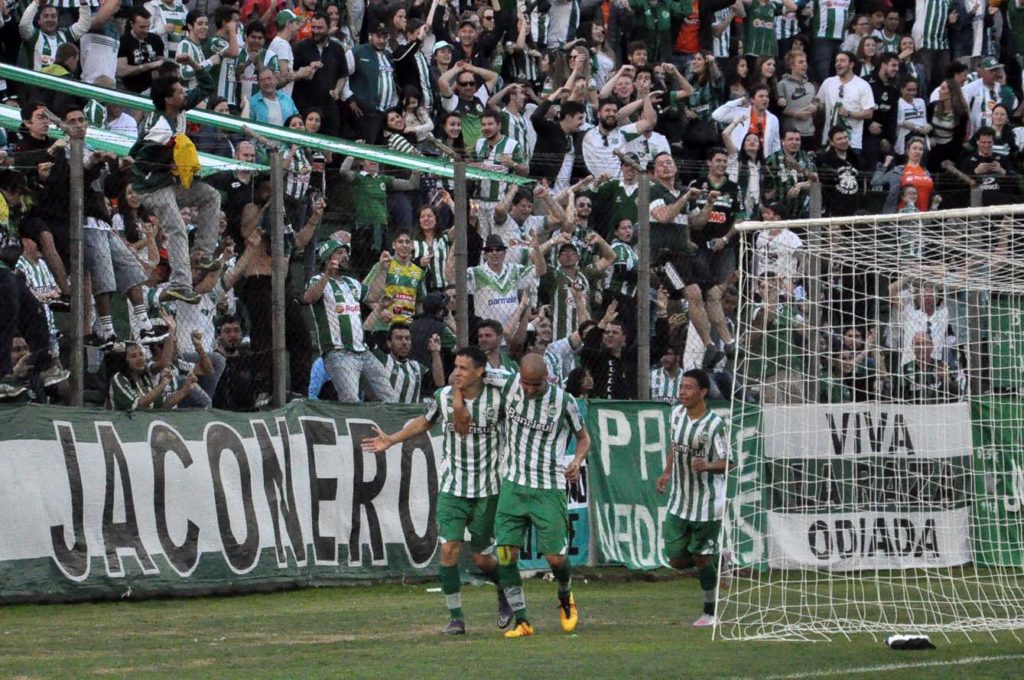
867, 486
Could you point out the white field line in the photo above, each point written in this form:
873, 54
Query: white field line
966, 661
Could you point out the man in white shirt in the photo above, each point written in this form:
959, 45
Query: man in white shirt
601, 141
848, 101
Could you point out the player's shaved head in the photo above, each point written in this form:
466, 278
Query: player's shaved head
533, 375
533, 366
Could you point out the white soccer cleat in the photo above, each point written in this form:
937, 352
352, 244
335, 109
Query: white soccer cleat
704, 621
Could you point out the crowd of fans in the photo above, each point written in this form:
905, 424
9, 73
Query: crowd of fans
738, 110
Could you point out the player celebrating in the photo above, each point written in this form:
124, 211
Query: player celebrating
470, 412
539, 419
696, 467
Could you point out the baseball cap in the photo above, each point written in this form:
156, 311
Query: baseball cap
442, 45
379, 28
286, 16
990, 63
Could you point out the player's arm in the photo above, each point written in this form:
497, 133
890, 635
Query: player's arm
662, 482
382, 442
572, 470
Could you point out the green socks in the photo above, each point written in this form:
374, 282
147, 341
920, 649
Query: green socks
451, 584
564, 578
512, 584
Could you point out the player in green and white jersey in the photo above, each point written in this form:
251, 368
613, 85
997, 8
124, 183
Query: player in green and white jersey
408, 375
539, 420
336, 302
695, 478
470, 413
497, 153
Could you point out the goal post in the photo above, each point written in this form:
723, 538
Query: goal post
878, 420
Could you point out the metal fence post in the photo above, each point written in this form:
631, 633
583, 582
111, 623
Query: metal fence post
280, 274
461, 256
643, 288
77, 273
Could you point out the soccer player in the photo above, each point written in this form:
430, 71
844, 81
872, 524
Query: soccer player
539, 419
470, 413
696, 468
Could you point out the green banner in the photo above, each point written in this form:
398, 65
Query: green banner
998, 508
627, 455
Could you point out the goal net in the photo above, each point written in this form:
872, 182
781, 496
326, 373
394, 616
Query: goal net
878, 474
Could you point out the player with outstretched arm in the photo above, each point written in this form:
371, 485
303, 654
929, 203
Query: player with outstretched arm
470, 413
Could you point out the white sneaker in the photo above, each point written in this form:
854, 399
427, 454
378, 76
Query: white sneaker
704, 621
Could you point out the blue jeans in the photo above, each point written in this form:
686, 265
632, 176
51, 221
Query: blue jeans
346, 368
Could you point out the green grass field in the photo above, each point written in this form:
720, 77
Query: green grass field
629, 629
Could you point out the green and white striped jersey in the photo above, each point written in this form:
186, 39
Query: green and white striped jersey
438, 251
496, 295
665, 387
537, 430
616, 277
471, 462
168, 22
514, 125
697, 497
297, 180
490, 159
96, 114
517, 236
558, 285
247, 71
338, 315
386, 87
931, 24
405, 376
40, 49
831, 17
42, 284
224, 73
188, 72
560, 358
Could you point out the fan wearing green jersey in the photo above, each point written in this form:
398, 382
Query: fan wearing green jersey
470, 413
406, 375
39, 46
337, 300
539, 420
695, 478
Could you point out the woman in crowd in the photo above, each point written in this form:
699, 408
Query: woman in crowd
1004, 142
603, 58
868, 57
910, 66
417, 119
431, 248
765, 72
911, 116
746, 167
949, 119
138, 227
912, 172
